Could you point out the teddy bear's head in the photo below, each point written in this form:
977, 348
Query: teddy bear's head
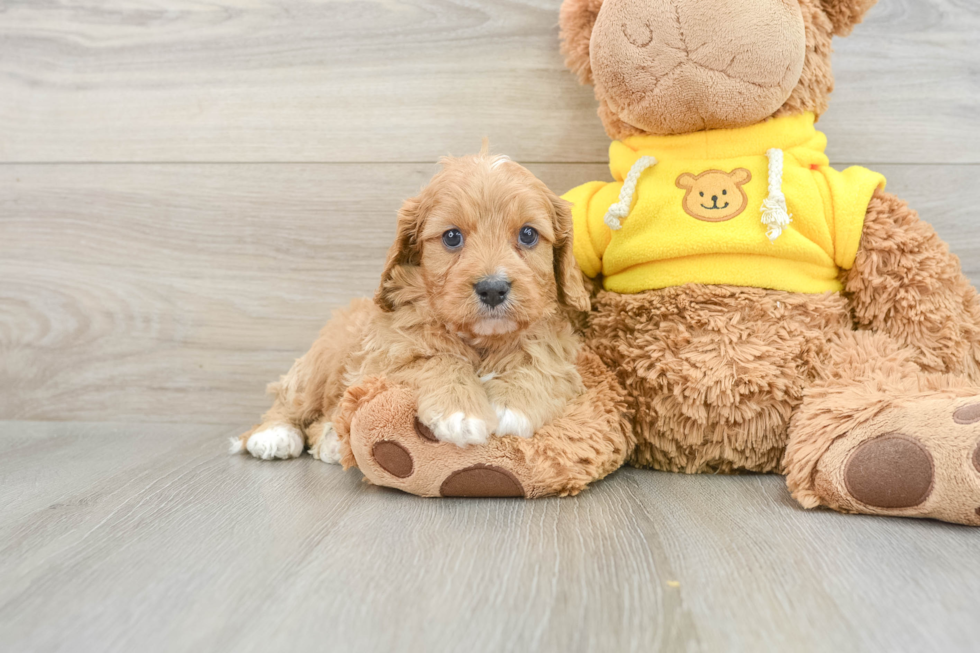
678, 66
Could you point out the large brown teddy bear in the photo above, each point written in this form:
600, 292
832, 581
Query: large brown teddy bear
761, 310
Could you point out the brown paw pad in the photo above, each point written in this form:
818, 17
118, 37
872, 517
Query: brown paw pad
890, 471
969, 414
393, 458
424, 431
481, 481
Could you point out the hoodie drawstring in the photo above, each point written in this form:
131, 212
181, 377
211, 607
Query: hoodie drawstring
775, 215
618, 211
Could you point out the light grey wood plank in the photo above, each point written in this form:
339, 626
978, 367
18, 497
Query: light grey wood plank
176, 292
409, 80
149, 537
907, 85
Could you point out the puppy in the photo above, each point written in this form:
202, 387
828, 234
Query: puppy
472, 312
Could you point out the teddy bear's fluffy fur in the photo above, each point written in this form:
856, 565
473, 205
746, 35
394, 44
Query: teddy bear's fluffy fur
716, 373
726, 378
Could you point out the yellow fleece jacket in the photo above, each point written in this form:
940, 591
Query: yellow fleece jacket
696, 215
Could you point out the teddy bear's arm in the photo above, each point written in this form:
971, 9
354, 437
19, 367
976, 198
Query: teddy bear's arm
906, 283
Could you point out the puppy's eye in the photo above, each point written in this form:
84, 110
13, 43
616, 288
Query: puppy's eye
528, 236
453, 239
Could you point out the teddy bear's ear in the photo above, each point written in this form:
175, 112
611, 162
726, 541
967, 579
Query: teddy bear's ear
845, 14
686, 181
577, 18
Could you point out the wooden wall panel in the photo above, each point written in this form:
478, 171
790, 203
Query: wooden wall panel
176, 292
408, 81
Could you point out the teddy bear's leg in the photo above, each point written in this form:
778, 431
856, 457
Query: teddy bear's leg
907, 284
877, 435
380, 434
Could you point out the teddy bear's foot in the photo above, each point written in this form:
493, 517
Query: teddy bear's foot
919, 458
381, 435
394, 449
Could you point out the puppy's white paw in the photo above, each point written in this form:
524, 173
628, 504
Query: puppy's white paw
328, 450
280, 441
512, 422
460, 430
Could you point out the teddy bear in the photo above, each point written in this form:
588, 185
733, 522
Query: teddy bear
754, 308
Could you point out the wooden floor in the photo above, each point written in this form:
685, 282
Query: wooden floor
187, 189
148, 537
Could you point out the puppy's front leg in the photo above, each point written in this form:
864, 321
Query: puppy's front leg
451, 400
527, 398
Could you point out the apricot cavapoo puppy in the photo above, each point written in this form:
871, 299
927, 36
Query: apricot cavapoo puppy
472, 313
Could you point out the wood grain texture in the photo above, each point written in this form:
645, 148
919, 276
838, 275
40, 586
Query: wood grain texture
409, 80
176, 292
117, 537
152, 301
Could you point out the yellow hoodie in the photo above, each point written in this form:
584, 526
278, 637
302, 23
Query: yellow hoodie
756, 206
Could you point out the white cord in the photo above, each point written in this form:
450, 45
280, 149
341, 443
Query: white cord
775, 215
618, 211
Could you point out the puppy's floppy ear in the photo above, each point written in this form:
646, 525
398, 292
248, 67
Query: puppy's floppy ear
568, 277
845, 14
577, 18
406, 250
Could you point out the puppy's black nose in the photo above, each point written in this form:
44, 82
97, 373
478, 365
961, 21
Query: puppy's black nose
491, 291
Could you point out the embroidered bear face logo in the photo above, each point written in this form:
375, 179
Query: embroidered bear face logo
715, 196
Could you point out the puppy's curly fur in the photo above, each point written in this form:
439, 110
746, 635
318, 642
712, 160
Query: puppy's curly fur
477, 368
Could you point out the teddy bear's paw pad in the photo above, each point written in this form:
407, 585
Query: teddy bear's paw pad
890, 471
920, 458
969, 414
393, 458
281, 441
482, 481
424, 431
976, 464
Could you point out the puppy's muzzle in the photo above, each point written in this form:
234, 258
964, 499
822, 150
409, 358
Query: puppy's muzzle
492, 291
